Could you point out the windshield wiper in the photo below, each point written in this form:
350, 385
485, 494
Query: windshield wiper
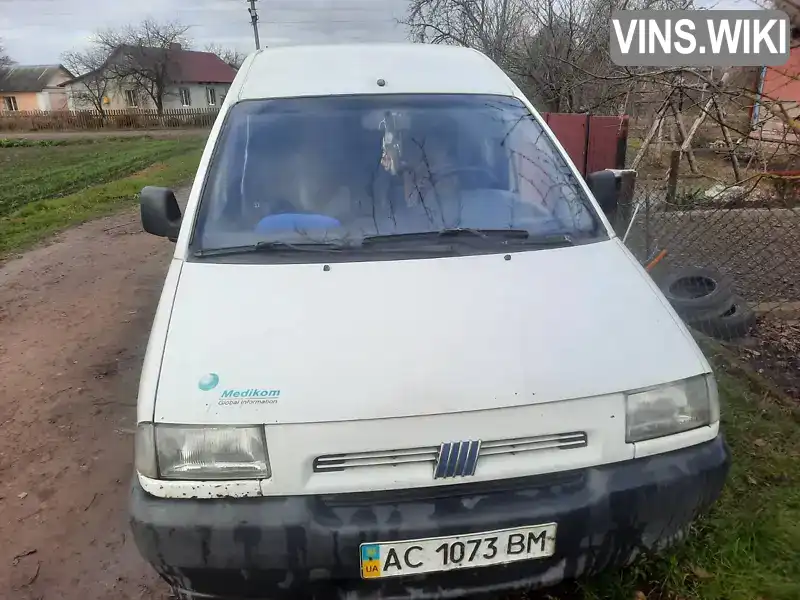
273, 246
505, 234
559, 240
516, 237
515, 234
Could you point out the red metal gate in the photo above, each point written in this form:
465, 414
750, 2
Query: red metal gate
593, 142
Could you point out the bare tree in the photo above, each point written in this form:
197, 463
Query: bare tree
561, 36
535, 41
551, 48
230, 56
491, 26
91, 86
5, 59
144, 56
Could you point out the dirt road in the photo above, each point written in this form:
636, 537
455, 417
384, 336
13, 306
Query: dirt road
74, 319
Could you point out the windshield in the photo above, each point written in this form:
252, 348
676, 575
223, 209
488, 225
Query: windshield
337, 171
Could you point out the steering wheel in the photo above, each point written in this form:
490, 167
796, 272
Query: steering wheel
457, 170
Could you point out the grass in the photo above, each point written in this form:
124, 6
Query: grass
23, 143
748, 546
36, 171
46, 188
751, 543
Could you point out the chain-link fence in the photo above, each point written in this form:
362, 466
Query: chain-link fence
728, 259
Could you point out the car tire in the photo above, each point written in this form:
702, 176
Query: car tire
733, 323
695, 290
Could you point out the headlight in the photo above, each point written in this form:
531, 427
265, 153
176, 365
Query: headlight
145, 451
185, 452
671, 408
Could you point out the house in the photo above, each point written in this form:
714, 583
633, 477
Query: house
780, 84
33, 87
193, 80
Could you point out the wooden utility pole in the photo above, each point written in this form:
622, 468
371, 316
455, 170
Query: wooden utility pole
254, 21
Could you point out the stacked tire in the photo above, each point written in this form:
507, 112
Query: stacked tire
705, 300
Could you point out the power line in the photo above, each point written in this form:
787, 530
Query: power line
323, 21
316, 22
297, 6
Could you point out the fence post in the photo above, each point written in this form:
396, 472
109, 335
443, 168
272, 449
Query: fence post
672, 178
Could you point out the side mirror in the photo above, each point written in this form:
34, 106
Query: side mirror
605, 188
161, 214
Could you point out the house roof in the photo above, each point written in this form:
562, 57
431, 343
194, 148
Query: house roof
186, 66
196, 67
28, 78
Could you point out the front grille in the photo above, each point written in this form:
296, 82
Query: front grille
428, 454
563, 481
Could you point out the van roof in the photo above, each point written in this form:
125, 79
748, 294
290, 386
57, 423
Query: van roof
320, 70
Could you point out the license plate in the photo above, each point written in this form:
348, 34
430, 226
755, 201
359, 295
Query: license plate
413, 557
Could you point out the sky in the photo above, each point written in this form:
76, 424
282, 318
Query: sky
39, 31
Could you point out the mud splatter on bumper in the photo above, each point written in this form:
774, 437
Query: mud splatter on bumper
308, 546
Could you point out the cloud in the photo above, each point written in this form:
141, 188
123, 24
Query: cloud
38, 31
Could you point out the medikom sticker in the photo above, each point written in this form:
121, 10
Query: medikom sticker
239, 396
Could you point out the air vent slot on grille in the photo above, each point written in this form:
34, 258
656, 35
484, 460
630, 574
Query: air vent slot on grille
340, 462
561, 441
428, 454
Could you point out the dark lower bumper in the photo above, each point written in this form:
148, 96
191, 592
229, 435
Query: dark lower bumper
309, 545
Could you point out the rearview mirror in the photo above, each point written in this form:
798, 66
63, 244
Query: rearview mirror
605, 189
161, 214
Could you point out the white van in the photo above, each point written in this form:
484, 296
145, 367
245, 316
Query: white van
400, 352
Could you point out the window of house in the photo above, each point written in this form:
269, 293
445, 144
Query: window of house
10, 103
186, 98
130, 98
211, 96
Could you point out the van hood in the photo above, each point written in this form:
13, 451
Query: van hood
255, 343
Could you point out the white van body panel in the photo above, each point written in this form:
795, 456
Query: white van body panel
293, 449
383, 339
392, 355
151, 366
344, 69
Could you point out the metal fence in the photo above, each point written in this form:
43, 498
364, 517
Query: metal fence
728, 259
39, 120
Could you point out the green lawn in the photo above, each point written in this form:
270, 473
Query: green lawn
47, 186
748, 547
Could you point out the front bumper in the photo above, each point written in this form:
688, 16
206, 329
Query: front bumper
308, 546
